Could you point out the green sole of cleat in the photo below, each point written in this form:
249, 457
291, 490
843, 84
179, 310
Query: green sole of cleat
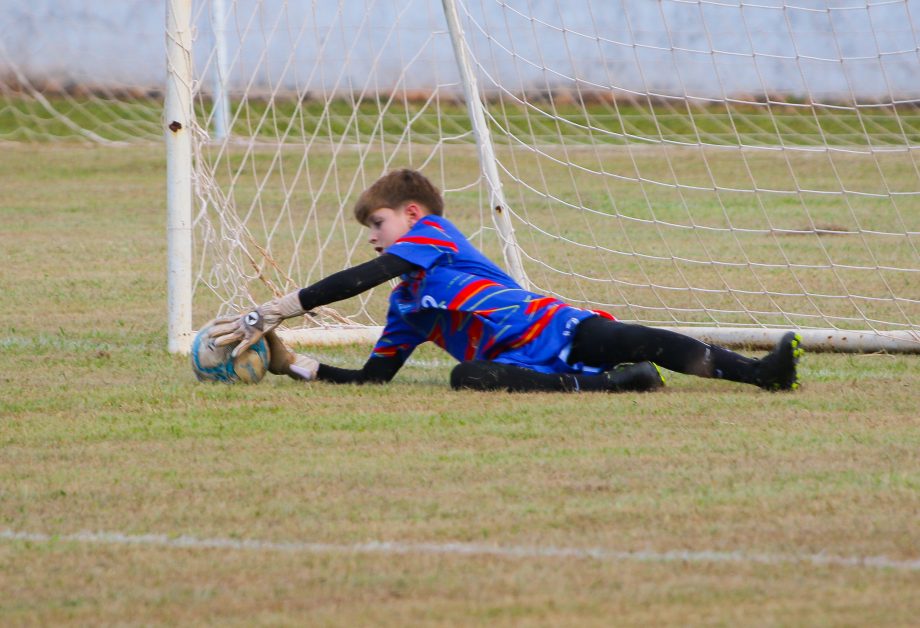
660, 374
797, 353
784, 357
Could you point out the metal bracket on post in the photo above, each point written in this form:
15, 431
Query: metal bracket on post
487, 161
178, 117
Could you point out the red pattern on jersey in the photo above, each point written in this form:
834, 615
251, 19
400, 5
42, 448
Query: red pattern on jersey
447, 244
534, 330
457, 321
469, 291
436, 335
603, 314
538, 304
474, 336
389, 352
432, 223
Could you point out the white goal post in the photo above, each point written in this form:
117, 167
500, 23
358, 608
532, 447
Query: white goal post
732, 169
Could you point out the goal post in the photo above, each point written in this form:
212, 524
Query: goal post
729, 169
481, 132
178, 128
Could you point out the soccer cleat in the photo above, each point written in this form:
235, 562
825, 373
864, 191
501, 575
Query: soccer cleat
777, 369
639, 377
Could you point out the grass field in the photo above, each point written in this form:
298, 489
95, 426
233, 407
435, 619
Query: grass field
752, 124
707, 504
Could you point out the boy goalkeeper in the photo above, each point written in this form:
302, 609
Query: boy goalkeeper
505, 337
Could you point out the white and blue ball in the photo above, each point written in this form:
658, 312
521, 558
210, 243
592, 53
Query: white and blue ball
212, 363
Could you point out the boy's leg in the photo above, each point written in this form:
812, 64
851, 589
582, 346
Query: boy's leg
483, 375
600, 341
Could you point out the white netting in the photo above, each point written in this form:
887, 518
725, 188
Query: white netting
321, 99
79, 70
681, 162
711, 163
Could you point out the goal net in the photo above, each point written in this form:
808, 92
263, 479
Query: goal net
81, 71
730, 168
298, 108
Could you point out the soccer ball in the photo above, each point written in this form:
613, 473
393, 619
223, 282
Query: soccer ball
211, 363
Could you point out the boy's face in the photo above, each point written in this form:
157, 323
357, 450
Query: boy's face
387, 225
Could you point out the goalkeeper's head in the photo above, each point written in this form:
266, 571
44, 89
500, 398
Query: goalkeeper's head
394, 190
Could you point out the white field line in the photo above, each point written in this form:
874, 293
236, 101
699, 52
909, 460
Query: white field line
464, 549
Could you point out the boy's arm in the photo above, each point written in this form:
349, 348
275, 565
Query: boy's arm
248, 328
375, 371
297, 366
283, 361
353, 281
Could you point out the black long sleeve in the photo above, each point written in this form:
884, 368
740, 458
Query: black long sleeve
375, 371
343, 285
353, 281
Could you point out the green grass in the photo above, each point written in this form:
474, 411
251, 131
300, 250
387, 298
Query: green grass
541, 120
102, 430
546, 120
119, 120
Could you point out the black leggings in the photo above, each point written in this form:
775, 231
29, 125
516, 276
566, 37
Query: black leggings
600, 342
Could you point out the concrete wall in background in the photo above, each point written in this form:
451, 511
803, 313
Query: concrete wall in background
808, 48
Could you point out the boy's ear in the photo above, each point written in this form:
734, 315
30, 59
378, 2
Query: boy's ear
414, 211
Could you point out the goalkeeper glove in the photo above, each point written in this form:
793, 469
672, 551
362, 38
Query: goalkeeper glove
286, 362
248, 328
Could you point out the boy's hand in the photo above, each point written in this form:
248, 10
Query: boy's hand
285, 362
248, 328
281, 357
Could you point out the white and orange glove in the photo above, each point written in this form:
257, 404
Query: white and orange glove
248, 328
286, 362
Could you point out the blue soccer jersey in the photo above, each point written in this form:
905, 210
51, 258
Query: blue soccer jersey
468, 306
